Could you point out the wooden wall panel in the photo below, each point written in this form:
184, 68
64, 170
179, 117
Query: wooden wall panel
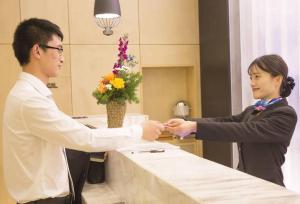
9, 19
54, 10
169, 21
170, 55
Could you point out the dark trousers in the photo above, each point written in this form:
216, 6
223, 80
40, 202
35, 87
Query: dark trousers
78, 164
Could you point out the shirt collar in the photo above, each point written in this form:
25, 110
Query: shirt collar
36, 83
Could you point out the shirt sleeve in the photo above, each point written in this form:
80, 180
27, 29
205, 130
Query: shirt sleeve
43, 119
276, 127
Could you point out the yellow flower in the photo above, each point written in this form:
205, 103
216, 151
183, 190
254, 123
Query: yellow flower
118, 83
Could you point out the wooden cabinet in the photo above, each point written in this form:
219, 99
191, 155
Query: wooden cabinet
189, 144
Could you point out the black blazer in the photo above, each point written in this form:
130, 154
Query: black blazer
262, 137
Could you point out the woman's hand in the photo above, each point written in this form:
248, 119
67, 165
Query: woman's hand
180, 127
174, 122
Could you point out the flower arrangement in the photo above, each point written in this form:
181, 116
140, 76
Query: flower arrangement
120, 85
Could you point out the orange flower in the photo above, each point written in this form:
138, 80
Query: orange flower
102, 88
109, 77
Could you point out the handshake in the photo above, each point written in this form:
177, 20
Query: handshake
152, 129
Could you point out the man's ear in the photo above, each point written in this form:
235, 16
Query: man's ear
36, 51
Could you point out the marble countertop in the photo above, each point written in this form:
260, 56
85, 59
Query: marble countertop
136, 176
99, 193
176, 176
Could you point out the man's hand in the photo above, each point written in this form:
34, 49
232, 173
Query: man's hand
180, 127
152, 129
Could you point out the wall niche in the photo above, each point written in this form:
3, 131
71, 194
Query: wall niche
163, 87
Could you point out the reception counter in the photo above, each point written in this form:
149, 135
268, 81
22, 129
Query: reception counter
171, 175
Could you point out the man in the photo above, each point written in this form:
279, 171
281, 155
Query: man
35, 131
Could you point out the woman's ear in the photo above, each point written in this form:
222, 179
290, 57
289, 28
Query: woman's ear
278, 80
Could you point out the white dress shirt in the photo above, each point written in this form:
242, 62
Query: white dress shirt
35, 132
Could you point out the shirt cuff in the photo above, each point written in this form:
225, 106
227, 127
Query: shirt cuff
136, 131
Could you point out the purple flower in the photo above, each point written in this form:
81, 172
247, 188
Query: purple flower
115, 71
122, 55
115, 65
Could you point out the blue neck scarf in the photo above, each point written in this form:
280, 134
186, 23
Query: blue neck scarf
263, 104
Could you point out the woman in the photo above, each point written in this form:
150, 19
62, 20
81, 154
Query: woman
263, 131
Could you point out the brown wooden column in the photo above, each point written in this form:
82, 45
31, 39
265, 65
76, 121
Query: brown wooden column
215, 71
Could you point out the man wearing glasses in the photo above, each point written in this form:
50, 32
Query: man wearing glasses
35, 131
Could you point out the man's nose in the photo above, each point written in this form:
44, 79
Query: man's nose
62, 58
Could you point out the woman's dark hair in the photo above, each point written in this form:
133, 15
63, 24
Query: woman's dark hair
276, 66
30, 32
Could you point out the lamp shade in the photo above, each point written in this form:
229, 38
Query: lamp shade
107, 14
107, 9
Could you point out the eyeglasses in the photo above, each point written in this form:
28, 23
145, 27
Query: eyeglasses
60, 49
